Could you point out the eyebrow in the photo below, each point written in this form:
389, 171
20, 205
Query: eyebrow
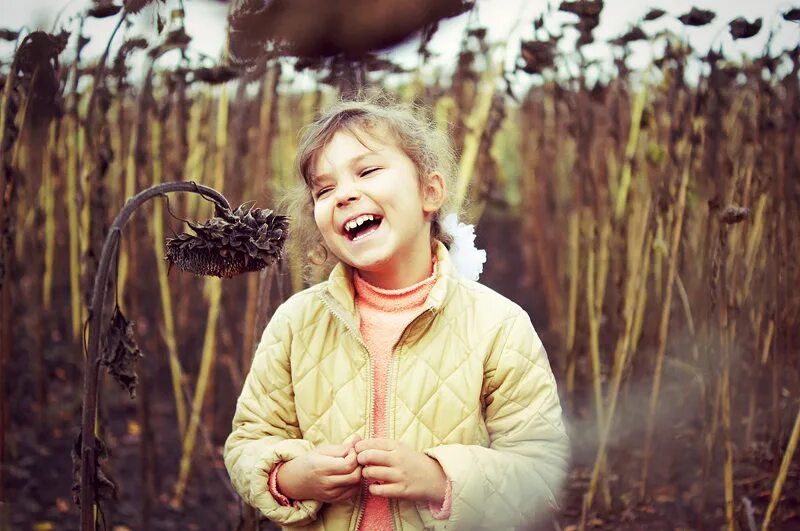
315, 178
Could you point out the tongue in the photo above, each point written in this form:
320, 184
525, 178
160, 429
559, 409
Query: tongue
366, 228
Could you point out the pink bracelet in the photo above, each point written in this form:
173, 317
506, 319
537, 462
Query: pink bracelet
273, 486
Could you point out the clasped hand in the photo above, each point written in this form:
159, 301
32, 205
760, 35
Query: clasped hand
333, 473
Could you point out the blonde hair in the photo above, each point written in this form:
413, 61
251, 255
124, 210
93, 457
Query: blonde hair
414, 132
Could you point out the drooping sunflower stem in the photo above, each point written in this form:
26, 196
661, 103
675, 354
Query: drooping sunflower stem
89, 446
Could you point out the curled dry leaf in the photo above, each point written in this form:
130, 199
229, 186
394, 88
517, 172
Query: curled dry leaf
119, 351
734, 214
740, 28
104, 487
634, 34
134, 6
697, 17
8, 35
582, 8
119, 69
215, 75
537, 56
654, 14
793, 15
103, 10
233, 242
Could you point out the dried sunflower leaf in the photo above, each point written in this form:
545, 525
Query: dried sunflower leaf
537, 55
104, 487
103, 10
215, 75
634, 34
582, 8
793, 15
8, 35
120, 353
654, 14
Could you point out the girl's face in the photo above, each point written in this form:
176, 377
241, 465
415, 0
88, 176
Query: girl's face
371, 210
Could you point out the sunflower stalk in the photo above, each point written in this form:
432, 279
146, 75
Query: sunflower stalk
214, 292
663, 329
176, 372
89, 447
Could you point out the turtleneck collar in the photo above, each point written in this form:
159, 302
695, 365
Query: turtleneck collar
406, 298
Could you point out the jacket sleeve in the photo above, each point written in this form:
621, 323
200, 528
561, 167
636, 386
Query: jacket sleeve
513, 481
265, 428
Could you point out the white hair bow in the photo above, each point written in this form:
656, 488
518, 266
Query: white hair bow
467, 259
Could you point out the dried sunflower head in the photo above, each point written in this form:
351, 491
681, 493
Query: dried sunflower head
232, 242
740, 28
734, 214
697, 17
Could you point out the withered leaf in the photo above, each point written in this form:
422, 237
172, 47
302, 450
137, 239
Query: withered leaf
104, 487
537, 56
215, 75
231, 243
103, 10
127, 47
634, 34
119, 351
582, 8
8, 35
740, 28
697, 17
134, 6
793, 15
654, 14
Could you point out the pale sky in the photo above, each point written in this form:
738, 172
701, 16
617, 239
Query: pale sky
506, 20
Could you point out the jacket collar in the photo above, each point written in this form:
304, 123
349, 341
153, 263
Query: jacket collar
341, 290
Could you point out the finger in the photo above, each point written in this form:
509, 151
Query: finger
333, 450
343, 480
351, 459
347, 494
337, 466
376, 444
381, 473
386, 490
375, 457
351, 441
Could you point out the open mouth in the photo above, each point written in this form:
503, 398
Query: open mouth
363, 225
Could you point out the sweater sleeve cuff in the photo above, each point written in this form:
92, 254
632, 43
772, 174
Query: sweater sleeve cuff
273, 486
443, 512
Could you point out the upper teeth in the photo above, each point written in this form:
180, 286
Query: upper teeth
355, 222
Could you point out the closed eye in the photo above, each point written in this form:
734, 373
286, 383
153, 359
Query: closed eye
367, 171
322, 191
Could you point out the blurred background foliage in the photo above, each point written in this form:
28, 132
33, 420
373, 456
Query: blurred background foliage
649, 223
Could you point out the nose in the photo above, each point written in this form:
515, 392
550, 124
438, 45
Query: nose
347, 192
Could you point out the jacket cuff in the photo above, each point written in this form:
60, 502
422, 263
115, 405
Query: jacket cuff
300, 512
443, 512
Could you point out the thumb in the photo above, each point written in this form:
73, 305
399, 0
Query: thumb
351, 441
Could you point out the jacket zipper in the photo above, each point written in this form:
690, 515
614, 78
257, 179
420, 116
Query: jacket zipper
364, 488
370, 415
390, 386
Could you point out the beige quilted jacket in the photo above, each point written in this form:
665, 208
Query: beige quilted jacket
470, 385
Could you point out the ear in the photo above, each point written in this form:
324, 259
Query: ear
434, 191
